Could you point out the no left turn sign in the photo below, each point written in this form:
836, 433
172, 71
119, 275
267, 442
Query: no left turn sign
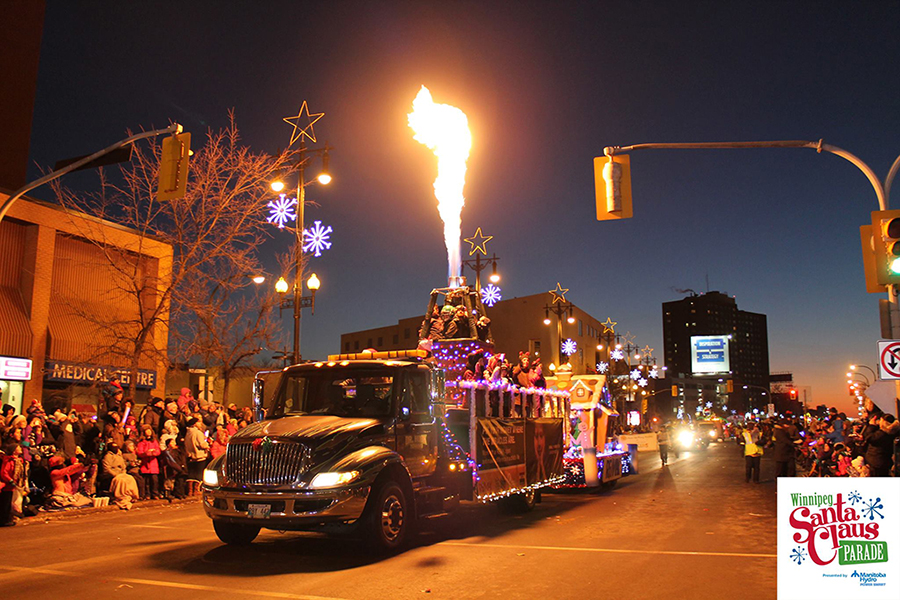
889, 359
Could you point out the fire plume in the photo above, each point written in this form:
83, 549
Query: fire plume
445, 130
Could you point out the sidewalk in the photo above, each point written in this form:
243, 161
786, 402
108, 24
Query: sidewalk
70, 513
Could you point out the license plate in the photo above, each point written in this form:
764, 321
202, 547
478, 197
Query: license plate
259, 511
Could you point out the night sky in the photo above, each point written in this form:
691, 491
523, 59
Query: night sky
545, 86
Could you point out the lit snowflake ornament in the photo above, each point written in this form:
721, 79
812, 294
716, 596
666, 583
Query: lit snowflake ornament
490, 295
636, 374
654, 372
617, 354
642, 382
282, 210
316, 238
602, 367
569, 347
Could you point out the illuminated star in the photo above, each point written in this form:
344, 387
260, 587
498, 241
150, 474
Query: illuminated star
479, 242
609, 326
307, 131
559, 294
647, 351
629, 338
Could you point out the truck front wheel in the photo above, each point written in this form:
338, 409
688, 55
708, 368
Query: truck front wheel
388, 517
235, 534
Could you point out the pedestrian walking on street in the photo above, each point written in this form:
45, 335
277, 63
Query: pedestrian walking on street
662, 439
752, 453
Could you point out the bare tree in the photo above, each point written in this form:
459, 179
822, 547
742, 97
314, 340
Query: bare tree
214, 230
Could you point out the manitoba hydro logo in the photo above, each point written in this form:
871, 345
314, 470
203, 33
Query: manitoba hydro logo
838, 535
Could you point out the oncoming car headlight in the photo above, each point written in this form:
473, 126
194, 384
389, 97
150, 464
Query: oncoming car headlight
712, 433
327, 480
685, 438
211, 478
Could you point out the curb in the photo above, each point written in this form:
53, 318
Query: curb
65, 514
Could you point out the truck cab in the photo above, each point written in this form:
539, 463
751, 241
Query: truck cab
353, 442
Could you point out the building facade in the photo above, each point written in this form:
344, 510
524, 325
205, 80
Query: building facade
66, 315
517, 325
716, 314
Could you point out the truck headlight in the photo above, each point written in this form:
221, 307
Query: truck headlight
712, 433
211, 478
327, 480
685, 437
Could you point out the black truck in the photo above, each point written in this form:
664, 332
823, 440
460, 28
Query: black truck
377, 441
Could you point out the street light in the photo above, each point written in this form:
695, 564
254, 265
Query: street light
870, 369
323, 178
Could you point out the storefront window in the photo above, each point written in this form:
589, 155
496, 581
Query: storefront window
11, 393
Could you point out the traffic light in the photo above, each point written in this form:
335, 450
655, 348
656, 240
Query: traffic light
612, 187
674, 390
793, 394
886, 246
173, 167
729, 386
868, 254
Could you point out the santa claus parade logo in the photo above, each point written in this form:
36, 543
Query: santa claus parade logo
838, 538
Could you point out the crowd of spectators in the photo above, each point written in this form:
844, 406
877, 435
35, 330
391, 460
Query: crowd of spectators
831, 445
67, 460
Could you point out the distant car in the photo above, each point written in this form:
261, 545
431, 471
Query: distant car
711, 431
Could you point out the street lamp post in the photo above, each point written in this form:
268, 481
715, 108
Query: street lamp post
559, 309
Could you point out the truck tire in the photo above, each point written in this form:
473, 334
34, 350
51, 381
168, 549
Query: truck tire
521, 503
387, 520
235, 534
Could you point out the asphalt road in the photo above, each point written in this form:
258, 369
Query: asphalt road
691, 530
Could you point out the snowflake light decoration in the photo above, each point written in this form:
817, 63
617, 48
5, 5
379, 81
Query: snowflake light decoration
871, 509
642, 382
282, 210
490, 295
654, 373
617, 354
854, 497
636, 374
798, 555
315, 239
569, 347
602, 367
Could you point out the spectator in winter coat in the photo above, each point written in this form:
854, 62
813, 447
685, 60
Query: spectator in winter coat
185, 398
197, 449
148, 451
61, 477
218, 445
153, 415
176, 468
133, 465
785, 436
9, 454
879, 437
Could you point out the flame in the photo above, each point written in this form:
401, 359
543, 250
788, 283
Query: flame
445, 130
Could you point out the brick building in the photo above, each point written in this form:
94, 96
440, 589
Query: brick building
65, 319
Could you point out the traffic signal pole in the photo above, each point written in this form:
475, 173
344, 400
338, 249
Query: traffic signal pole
882, 192
175, 128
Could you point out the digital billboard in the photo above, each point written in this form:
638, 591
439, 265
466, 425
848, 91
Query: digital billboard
709, 354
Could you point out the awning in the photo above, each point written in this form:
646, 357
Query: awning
15, 328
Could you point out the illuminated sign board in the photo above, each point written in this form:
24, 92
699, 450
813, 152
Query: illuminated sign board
709, 354
15, 369
69, 372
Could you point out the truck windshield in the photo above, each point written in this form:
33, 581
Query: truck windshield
338, 392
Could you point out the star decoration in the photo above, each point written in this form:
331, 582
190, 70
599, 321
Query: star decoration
307, 131
609, 326
559, 294
647, 351
628, 338
479, 242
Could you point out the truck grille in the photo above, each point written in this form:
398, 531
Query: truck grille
278, 465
